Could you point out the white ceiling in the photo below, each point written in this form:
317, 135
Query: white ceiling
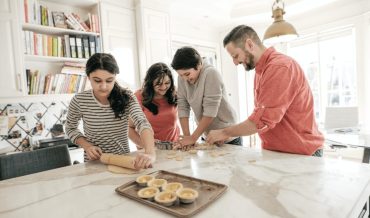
218, 13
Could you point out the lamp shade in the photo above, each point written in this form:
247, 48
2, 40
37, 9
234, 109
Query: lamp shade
280, 30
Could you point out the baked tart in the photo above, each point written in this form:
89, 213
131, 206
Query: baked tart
143, 180
172, 186
187, 195
165, 198
158, 183
148, 193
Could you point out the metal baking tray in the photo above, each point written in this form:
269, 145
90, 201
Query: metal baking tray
208, 193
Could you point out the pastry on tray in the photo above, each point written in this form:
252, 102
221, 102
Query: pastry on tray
187, 195
172, 186
158, 183
148, 193
165, 198
143, 180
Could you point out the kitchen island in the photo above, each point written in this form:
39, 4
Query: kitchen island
260, 184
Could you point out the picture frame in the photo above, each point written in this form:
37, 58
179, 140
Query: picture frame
59, 19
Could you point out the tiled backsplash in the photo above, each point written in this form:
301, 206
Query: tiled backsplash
29, 122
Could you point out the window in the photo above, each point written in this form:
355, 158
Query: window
328, 60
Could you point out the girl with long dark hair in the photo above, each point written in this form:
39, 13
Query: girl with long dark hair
105, 111
158, 100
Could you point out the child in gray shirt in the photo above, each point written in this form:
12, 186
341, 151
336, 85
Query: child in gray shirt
200, 88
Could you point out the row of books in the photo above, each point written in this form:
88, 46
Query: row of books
35, 13
73, 21
71, 46
69, 80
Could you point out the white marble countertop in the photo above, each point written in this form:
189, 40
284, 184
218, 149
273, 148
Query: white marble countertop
260, 184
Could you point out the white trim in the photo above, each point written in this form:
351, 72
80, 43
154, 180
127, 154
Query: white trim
36, 98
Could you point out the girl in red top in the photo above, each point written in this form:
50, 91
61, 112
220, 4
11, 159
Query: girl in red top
158, 101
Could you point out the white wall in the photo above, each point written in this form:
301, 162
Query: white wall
192, 31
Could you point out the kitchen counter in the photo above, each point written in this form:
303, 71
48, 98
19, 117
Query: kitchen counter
260, 184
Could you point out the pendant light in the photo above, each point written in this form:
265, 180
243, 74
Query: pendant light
279, 30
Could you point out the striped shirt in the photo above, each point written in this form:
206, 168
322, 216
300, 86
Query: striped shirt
100, 126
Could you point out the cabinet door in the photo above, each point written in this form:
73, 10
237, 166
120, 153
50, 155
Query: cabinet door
10, 56
154, 37
119, 39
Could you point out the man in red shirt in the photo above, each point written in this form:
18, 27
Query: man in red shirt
284, 114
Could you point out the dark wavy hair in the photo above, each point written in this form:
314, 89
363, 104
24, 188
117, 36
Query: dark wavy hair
119, 97
157, 71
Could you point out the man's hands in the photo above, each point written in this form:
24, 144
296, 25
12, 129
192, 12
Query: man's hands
217, 137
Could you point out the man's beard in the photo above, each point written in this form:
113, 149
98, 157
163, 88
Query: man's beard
249, 66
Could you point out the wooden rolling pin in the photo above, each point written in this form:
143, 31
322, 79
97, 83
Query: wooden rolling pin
118, 160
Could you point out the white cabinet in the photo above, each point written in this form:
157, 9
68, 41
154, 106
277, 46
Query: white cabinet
10, 55
154, 39
119, 29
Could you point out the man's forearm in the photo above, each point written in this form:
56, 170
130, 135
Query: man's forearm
242, 129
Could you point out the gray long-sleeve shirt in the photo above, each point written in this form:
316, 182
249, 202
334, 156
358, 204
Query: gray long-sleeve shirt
207, 97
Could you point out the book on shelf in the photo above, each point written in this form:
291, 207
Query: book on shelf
44, 45
72, 44
60, 46
28, 79
59, 19
92, 45
80, 22
85, 46
79, 46
75, 64
50, 46
67, 46
55, 47
97, 44
73, 23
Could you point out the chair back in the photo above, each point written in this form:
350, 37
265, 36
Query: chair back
28, 162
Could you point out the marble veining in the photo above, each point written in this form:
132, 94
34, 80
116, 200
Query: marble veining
260, 184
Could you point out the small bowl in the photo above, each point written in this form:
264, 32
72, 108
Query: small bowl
165, 198
148, 193
158, 183
187, 195
143, 180
172, 186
